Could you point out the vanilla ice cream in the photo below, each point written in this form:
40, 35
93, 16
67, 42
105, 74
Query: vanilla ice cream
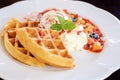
50, 18
73, 41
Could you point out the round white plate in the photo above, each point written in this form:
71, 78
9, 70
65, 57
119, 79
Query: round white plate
89, 66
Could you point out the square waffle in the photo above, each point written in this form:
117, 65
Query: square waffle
45, 45
14, 47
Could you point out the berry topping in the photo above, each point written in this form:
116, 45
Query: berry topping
74, 19
94, 35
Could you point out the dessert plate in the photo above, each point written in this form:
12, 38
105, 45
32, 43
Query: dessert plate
89, 66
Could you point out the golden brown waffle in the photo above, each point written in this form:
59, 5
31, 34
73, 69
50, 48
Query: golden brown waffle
14, 47
45, 45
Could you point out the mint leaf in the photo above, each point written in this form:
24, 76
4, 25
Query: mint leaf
64, 24
56, 27
61, 19
68, 25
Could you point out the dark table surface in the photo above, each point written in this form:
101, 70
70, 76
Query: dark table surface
113, 6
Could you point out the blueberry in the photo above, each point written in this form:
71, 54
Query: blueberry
74, 19
94, 35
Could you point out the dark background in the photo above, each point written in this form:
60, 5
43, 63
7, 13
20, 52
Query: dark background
113, 6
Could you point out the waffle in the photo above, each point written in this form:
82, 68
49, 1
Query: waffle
45, 45
14, 47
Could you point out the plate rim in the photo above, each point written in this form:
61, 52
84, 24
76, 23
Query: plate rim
100, 9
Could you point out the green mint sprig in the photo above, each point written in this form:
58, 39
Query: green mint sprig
64, 24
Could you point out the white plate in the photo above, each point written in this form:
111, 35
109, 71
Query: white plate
89, 66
